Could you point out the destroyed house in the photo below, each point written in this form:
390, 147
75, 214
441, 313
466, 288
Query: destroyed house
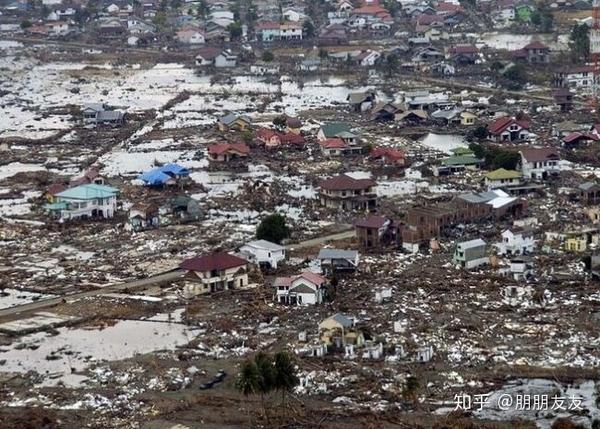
377, 232
336, 260
214, 272
346, 193
144, 216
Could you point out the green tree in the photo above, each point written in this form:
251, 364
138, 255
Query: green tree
203, 9
285, 379
542, 18
411, 389
580, 41
247, 136
505, 159
25, 24
280, 121
391, 64
266, 379
160, 19
308, 29
323, 54
268, 56
248, 378
516, 75
273, 228
235, 30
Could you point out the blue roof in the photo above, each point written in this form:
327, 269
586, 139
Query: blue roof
155, 177
88, 192
174, 169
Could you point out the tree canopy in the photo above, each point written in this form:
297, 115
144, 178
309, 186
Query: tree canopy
273, 228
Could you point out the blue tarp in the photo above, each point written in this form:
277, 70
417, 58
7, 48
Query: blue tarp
174, 169
155, 177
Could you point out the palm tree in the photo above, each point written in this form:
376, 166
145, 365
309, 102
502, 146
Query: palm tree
286, 378
248, 379
266, 377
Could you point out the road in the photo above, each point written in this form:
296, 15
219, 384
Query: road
350, 233
135, 284
46, 303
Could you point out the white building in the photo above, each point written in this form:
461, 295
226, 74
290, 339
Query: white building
304, 289
540, 163
263, 252
516, 242
225, 60
85, 201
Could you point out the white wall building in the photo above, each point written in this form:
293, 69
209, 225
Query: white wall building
263, 252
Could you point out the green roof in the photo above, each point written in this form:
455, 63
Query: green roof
502, 173
334, 128
462, 151
88, 192
461, 160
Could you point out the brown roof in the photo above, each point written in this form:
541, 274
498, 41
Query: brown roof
219, 148
213, 261
537, 154
345, 182
371, 222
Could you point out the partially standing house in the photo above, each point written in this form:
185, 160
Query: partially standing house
235, 122
263, 253
347, 193
508, 129
540, 163
471, 254
338, 260
144, 216
590, 192
303, 289
377, 231
228, 152
501, 178
516, 242
85, 201
214, 272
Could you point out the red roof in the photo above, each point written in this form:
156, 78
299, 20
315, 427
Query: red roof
388, 152
214, 261
535, 45
267, 25
291, 138
448, 7
425, 19
537, 154
501, 124
577, 135
266, 133
464, 49
345, 182
333, 143
55, 188
311, 277
220, 148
